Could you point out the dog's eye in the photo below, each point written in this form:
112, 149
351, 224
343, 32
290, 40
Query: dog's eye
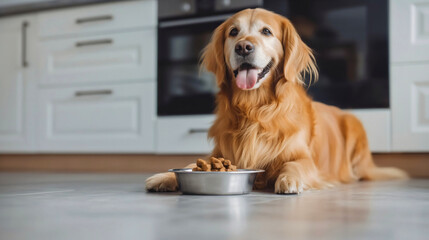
233, 32
266, 32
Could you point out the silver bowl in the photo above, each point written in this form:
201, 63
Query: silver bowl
215, 183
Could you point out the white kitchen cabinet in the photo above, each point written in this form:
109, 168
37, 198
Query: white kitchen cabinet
409, 75
410, 107
409, 30
188, 134
17, 83
184, 134
96, 78
79, 79
102, 118
113, 57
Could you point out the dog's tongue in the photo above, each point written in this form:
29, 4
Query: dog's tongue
246, 79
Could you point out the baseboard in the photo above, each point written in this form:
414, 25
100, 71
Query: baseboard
417, 165
94, 162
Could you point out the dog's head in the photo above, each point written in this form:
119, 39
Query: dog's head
256, 47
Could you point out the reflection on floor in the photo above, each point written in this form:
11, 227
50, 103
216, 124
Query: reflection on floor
106, 206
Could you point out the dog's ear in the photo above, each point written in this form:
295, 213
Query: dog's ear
298, 57
213, 57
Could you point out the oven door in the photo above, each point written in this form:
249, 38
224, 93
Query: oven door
350, 43
184, 88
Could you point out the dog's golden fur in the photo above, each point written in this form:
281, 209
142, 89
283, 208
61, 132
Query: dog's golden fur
300, 143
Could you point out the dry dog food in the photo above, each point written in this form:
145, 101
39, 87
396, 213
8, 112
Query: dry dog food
215, 165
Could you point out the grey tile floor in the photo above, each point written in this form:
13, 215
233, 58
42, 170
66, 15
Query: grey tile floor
110, 206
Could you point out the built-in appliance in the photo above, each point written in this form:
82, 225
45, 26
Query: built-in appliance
349, 39
185, 28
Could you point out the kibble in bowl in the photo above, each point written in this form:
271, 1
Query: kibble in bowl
215, 165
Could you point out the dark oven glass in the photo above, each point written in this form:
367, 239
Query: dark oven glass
350, 42
349, 39
184, 88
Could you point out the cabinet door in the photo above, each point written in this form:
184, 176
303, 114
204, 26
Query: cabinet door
409, 30
102, 118
410, 107
16, 42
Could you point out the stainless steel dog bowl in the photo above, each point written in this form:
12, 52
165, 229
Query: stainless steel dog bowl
215, 183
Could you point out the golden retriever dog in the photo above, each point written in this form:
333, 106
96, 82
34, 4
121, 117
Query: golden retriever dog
266, 120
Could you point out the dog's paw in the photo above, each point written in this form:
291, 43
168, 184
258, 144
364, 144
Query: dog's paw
288, 184
162, 182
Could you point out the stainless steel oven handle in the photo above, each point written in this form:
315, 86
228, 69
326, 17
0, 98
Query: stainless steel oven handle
94, 19
94, 42
93, 92
198, 130
191, 21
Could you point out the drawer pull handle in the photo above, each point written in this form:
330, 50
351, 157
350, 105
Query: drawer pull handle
198, 130
94, 19
94, 42
24, 44
93, 92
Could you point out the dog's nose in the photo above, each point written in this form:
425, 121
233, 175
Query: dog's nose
244, 48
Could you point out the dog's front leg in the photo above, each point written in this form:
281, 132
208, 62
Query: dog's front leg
164, 182
296, 176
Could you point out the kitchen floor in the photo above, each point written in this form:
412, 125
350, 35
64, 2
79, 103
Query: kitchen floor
116, 206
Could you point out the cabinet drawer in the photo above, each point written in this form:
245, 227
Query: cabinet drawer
186, 134
111, 57
98, 18
109, 118
409, 30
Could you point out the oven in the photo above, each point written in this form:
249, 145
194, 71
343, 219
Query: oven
185, 28
349, 39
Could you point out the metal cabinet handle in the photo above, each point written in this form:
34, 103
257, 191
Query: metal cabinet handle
24, 44
198, 130
94, 42
200, 20
94, 19
93, 92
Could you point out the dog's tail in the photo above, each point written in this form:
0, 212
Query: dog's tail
384, 173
